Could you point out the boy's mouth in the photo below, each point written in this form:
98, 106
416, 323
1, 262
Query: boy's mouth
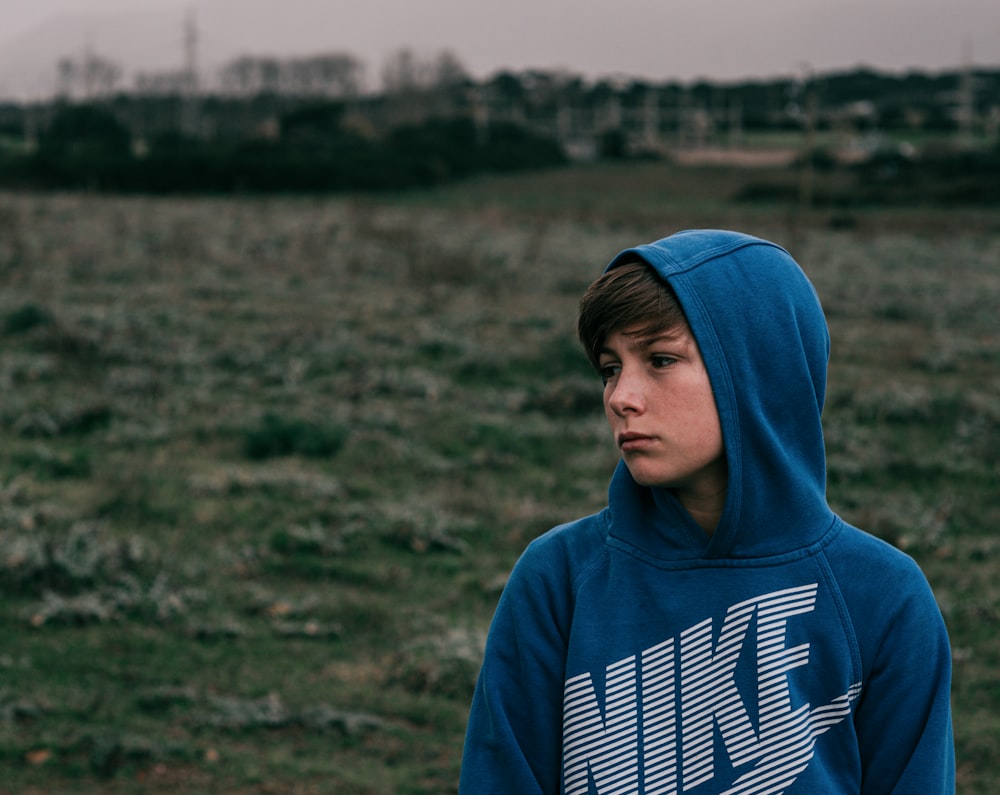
630, 441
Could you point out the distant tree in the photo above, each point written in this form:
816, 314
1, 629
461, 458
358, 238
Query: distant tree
418, 88
611, 144
405, 71
89, 77
333, 75
172, 83
84, 145
316, 126
100, 76
341, 75
402, 72
238, 76
635, 94
86, 125
507, 87
447, 72
507, 97
329, 75
251, 74
66, 72
269, 75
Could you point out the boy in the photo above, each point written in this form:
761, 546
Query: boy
717, 628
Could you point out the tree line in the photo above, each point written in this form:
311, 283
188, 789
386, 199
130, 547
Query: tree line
307, 123
84, 146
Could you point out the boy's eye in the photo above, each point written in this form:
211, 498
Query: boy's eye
609, 371
662, 360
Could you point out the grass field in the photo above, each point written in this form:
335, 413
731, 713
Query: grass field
264, 463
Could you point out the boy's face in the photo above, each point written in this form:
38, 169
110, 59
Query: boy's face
659, 403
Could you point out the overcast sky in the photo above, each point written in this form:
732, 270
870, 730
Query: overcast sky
658, 39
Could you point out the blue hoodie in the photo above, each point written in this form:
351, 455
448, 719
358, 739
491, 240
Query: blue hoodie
787, 653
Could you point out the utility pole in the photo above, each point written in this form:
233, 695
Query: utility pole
651, 120
189, 96
806, 186
734, 117
967, 100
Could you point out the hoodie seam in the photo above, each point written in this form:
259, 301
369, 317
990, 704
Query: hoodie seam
597, 562
846, 620
817, 548
704, 256
732, 436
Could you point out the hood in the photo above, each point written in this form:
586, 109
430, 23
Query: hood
764, 340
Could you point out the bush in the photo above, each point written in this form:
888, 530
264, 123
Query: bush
612, 145
281, 436
85, 130
510, 147
86, 147
25, 318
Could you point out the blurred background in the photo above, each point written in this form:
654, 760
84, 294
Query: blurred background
288, 375
313, 95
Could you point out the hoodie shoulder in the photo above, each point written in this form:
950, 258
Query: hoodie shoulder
567, 552
865, 564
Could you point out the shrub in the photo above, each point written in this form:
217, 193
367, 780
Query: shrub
446, 665
281, 436
510, 147
54, 465
25, 318
85, 130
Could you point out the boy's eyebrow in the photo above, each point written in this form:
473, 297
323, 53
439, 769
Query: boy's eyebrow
643, 340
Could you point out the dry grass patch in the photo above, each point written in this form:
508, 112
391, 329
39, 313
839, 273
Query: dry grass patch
265, 463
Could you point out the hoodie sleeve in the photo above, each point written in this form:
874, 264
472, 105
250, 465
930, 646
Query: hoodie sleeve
513, 742
903, 719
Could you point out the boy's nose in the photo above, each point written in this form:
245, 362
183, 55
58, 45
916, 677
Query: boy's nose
626, 396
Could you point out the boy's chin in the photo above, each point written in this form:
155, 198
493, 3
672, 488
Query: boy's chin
644, 478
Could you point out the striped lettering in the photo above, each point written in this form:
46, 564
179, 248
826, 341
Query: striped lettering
656, 731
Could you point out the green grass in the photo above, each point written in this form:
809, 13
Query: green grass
264, 463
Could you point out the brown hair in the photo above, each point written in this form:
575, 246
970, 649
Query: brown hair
628, 295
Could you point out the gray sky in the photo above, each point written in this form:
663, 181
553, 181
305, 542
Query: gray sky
657, 39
